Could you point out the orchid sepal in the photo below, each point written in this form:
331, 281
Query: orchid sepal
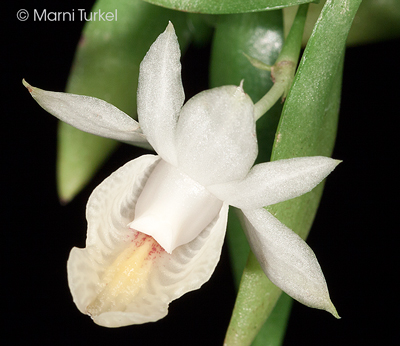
160, 94
90, 114
273, 182
287, 260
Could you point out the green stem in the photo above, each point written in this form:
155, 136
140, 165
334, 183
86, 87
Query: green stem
285, 66
270, 98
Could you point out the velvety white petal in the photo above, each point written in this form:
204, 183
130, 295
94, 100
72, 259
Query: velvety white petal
90, 114
287, 260
160, 93
276, 181
110, 209
173, 208
216, 139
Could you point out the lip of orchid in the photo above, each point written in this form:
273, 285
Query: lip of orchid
110, 208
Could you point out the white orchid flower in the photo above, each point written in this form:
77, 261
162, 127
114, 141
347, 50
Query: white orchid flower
156, 226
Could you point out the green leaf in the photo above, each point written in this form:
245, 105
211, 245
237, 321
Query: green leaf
273, 331
375, 21
307, 127
226, 6
106, 66
255, 301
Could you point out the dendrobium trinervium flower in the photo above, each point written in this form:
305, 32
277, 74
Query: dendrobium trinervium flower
156, 226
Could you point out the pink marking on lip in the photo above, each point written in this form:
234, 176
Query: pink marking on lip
156, 249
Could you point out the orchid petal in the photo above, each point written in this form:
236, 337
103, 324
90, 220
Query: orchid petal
287, 260
165, 276
90, 114
216, 140
272, 182
173, 208
160, 93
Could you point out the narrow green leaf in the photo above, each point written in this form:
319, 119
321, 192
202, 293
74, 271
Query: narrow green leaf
375, 21
273, 331
255, 301
201, 28
238, 246
307, 127
227, 6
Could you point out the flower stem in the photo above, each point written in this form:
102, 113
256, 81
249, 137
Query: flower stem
270, 98
282, 72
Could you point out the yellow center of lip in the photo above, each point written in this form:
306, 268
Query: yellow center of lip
123, 279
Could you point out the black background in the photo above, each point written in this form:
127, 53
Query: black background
354, 235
